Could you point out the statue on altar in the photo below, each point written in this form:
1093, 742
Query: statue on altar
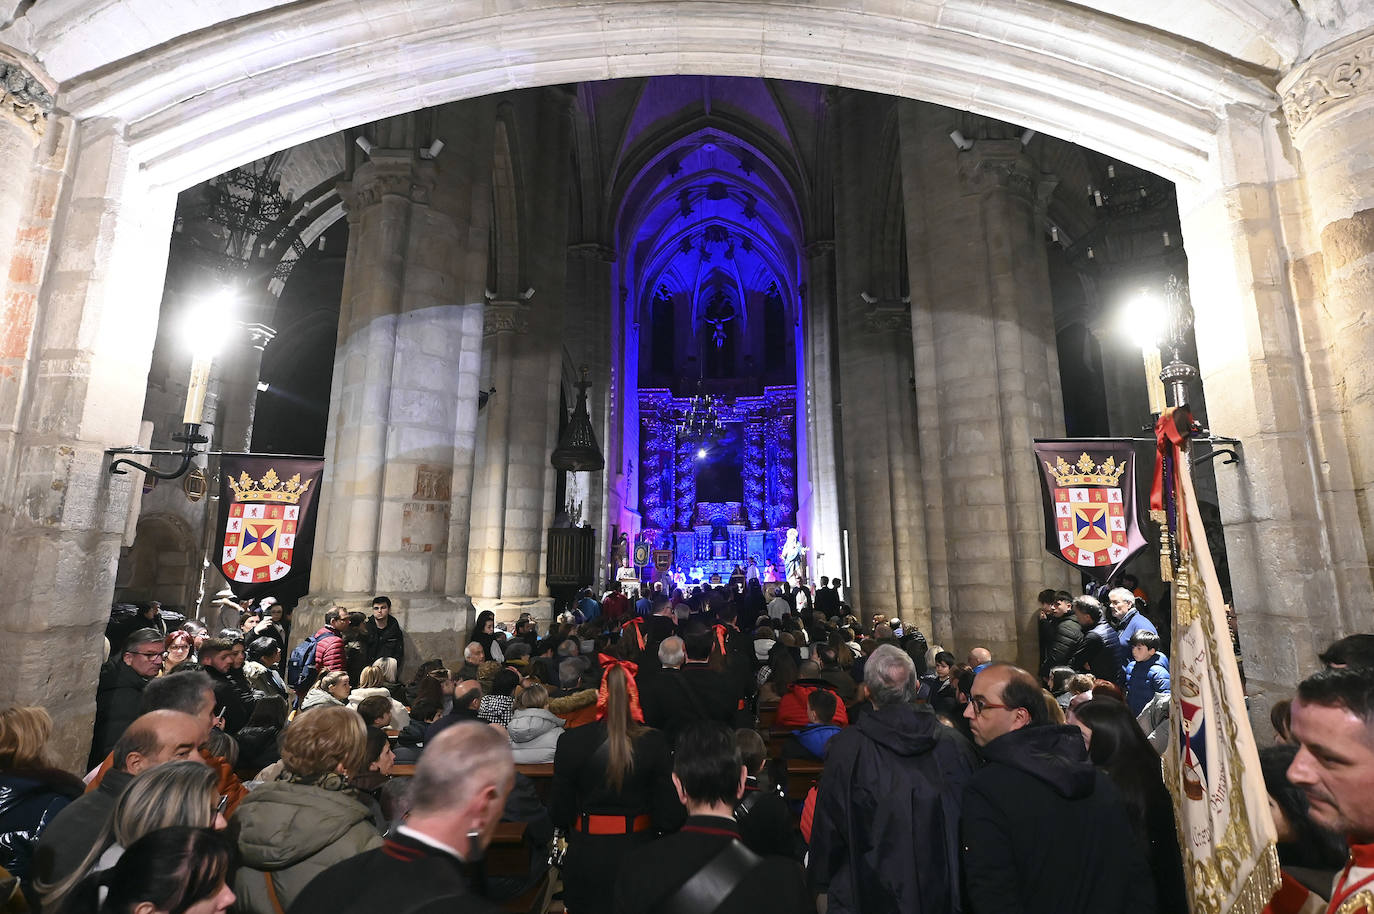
793, 558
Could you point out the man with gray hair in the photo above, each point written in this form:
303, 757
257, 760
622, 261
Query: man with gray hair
668, 700
456, 799
886, 830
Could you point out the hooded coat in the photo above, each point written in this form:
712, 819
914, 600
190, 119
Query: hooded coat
1038, 783
534, 735
885, 834
29, 800
293, 832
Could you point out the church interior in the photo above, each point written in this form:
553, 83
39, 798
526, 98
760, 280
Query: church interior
802, 267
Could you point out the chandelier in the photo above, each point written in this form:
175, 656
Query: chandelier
702, 418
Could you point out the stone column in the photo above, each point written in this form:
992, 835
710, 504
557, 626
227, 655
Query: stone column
883, 504
590, 270
823, 445
403, 410
987, 380
1329, 105
1294, 540
62, 516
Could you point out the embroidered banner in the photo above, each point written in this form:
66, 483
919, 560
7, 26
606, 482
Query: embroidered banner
1089, 501
266, 531
1211, 765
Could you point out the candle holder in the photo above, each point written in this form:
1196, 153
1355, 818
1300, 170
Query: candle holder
189, 438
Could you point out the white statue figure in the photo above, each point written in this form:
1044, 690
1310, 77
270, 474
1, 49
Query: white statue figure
792, 553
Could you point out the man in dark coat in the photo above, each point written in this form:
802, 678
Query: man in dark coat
1038, 775
382, 635
1062, 633
669, 701
1097, 653
152, 739
121, 685
885, 835
217, 657
709, 776
458, 794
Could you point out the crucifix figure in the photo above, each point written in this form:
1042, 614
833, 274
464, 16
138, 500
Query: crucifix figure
718, 312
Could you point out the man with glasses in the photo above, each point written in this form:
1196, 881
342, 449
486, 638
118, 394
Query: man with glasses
1037, 787
120, 689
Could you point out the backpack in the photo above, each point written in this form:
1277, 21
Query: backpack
300, 666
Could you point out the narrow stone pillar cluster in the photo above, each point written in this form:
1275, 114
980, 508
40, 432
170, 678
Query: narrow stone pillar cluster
399, 448
987, 376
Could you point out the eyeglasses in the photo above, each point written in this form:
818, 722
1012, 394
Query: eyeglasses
157, 656
980, 705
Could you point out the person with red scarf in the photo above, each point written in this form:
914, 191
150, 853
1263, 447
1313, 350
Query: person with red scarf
612, 790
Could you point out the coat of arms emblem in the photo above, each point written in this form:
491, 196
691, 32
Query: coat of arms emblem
261, 527
1089, 511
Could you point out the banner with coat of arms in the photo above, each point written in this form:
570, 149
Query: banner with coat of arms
266, 530
1089, 499
1212, 764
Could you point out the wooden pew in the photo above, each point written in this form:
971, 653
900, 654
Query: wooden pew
542, 775
801, 773
768, 713
507, 854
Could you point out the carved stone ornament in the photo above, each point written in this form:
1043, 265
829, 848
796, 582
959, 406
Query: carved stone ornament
1333, 79
388, 175
24, 96
505, 317
593, 251
994, 164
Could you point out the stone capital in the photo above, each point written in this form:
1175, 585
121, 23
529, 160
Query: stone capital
1002, 165
1330, 84
887, 315
592, 250
505, 316
819, 248
388, 172
23, 96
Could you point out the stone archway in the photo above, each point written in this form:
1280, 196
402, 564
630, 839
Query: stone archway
166, 102
161, 565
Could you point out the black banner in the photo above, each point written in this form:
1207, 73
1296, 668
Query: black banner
1089, 500
266, 531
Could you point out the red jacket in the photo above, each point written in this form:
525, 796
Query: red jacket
792, 706
329, 651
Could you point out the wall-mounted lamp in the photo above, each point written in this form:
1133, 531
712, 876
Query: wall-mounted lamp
960, 142
432, 150
1026, 136
483, 396
365, 145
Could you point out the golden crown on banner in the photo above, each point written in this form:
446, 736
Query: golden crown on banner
1086, 472
269, 488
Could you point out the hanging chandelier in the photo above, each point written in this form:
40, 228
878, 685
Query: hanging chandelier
702, 418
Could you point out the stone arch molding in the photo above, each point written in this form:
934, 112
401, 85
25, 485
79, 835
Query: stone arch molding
196, 104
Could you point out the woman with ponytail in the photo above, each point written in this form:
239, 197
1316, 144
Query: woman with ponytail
612, 790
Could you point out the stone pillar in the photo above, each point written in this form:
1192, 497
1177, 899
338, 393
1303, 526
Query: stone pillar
987, 380
403, 409
1329, 105
588, 330
62, 516
883, 506
821, 498
1293, 538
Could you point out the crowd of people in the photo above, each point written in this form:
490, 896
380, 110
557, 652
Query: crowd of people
641, 751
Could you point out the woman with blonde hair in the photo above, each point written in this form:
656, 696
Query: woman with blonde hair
175, 793
331, 690
373, 682
32, 788
534, 730
294, 828
610, 800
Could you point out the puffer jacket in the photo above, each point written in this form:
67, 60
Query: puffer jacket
29, 799
400, 717
294, 832
534, 735
1145, 680
319, 698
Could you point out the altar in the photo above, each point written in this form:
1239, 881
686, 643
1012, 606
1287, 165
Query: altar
719, 500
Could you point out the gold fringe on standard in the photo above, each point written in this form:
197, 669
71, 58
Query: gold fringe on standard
1260, 885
